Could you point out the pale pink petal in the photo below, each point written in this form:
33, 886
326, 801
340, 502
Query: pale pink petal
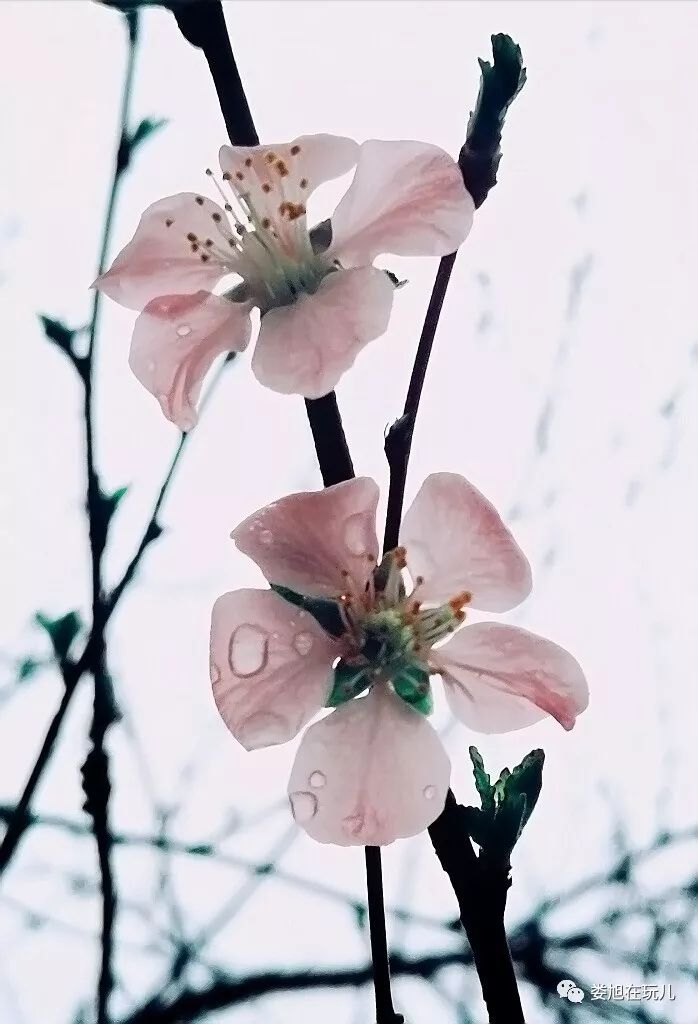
371, 772
304, 348
407, 198
457, 542
292, 170
160, 259
316, 542
175, 340
271, 666
499, 678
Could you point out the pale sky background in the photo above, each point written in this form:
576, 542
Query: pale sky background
563, 384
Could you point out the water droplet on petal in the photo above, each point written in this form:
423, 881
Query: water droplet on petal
317, 780
150, 365
248, 650
215, 673
183, 330
303, 643
429, 792
303, 806
355, 534
266, 537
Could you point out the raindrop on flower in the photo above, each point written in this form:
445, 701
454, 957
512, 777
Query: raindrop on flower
183, 330
303, 643
429, 792
248, 650
317, 780
303, 806
266, 537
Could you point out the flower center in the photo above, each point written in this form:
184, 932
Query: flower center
393, 635
270, 246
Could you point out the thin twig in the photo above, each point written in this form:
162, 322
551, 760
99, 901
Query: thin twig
95, 771
398, 440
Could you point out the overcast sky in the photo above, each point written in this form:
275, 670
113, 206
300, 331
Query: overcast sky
563, 384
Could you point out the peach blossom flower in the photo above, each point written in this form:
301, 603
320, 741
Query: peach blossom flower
320, 302
374, 770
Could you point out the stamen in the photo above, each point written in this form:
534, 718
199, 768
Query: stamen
295, 150
248, 161
457, 602
400, 557
303, 182
169, 222
199, 200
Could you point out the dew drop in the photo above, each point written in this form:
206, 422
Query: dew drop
355, 535
303, 643
317, 780
429, 792
183, 330
248, 650
215, 673
303, 806
266, 537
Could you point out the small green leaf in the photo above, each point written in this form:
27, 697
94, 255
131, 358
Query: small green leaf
145, 129
508, 823
61, 631
113, 500
482, 780
527, 779
27, 668
325, 612
411, 683
500, 83
349, 682
63, 337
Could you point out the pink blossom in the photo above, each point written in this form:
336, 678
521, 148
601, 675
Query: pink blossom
374, 770
320, 301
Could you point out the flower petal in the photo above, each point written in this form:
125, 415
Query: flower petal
304, 348
371, 772
407, 198
317, 542
271, 666
160, 259
499, 678
292, 168
175, 340
457, 542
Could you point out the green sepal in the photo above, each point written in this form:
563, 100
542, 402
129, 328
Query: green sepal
411, 683
325, 612
349, 682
